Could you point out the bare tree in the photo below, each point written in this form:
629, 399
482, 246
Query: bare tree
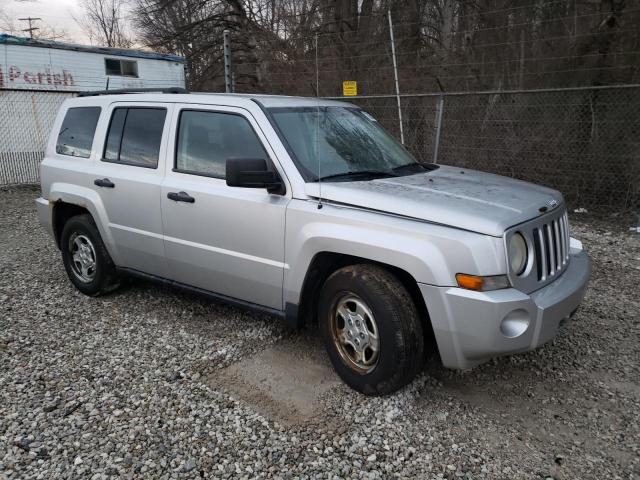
7, 22
194, 29
103, 22
448, 45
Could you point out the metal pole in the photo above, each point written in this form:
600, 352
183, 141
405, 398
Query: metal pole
317, 69
228, 74
395, 73
439, 112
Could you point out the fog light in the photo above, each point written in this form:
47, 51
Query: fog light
515, 324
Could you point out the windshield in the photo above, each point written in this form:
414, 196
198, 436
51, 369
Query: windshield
349, 143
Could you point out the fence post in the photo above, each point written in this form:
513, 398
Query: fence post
439, 112
228, 74
395, 73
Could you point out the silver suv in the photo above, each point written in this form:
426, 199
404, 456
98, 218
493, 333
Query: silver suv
307, 209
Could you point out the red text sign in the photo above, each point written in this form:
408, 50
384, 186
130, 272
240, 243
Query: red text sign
19, 76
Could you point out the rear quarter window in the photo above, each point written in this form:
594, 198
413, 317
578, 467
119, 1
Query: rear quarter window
77, 131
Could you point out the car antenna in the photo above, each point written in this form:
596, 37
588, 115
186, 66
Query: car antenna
317, 139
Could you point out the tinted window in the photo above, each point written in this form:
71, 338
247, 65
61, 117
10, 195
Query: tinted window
207, 139
76, 134
112, 149
134, 136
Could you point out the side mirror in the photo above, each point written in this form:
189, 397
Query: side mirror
253, 173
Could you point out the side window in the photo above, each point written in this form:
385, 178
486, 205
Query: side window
77, 131
207, 139
134, 136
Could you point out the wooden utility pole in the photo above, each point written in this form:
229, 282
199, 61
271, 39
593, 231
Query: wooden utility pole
31, 28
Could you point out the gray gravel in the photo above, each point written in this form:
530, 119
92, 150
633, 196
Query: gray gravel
121, 386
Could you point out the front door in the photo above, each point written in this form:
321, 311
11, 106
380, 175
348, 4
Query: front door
226, 240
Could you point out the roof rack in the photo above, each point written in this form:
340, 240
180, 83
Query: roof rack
133, 90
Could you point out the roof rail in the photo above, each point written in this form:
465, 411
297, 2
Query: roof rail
133, 90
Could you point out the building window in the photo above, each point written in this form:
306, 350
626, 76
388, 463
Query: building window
122, 68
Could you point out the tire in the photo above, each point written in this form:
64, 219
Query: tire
81, 237
394, 351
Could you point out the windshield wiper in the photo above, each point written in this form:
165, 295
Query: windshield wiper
410, 167
359, 173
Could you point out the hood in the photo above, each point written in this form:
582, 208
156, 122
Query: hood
466, 199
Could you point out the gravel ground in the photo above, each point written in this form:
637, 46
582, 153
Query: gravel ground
130, 385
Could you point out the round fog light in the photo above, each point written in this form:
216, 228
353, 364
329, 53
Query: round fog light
515, 324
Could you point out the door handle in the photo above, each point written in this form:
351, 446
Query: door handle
180, 197
104, 182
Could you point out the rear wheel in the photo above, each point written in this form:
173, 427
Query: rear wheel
85, 257
371, 329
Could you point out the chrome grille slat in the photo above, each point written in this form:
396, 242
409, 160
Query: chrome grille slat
543, 256
551, 254
557, 247
563, 244
562, 234
567, 235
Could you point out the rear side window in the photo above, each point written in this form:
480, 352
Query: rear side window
207, 139
77, 131
134, 136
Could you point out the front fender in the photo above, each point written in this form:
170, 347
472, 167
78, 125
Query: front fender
431, 254
89, 199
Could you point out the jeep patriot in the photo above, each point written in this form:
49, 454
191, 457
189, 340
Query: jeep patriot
309, 210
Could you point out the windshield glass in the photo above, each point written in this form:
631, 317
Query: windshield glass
349, 143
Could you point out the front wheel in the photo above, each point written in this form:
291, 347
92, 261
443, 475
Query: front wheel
371, 329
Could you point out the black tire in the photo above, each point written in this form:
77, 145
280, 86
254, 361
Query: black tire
400, 344
102, 278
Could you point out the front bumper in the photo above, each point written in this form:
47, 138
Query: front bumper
472, 327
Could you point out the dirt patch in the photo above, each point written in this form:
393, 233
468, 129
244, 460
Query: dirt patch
285, 382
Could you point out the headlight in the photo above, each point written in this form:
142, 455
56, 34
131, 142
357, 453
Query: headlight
517, 253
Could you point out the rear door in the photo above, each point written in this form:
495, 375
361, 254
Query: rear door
128, 179
223, 239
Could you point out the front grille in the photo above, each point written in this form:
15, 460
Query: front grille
551, 242
548, 239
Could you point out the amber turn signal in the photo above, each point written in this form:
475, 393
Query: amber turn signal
470, 282
482, 284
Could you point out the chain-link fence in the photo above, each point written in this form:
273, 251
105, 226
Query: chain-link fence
509, 65
26, 118
584, 142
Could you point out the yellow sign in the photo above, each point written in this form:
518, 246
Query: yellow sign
349, 88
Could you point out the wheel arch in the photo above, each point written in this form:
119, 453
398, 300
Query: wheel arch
61, 213
323, 264
69, 200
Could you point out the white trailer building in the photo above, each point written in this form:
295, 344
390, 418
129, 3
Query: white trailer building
36, 76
